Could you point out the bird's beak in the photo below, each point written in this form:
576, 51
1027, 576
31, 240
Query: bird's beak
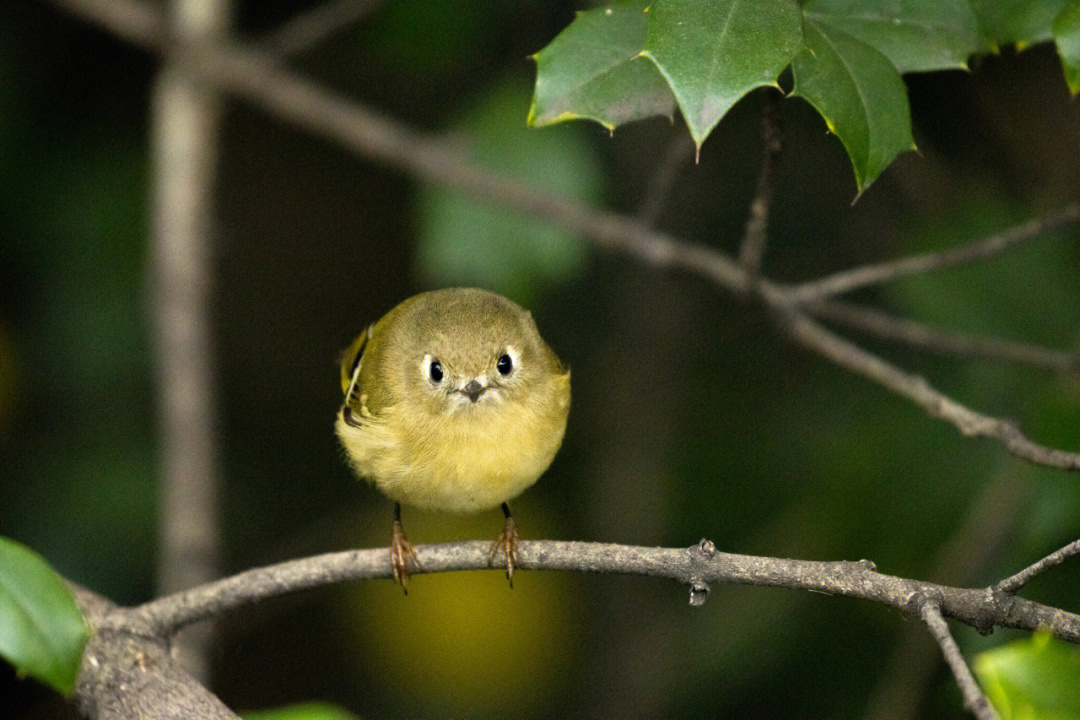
473, 390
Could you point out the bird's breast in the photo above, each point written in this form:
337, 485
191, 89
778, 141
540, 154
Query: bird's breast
459, 461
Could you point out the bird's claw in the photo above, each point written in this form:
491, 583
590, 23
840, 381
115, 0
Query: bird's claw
508, 543
402, 554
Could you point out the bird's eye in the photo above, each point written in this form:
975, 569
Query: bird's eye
504, 365
435, 371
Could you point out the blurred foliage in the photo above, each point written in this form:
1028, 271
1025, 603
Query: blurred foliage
301, 711
846, 57
467, 242
692, 416
1037, 678
42, 632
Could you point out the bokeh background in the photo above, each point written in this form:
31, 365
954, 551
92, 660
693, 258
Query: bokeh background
692, 416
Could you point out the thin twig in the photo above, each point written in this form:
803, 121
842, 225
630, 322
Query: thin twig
752, 249
1015, 582
311, 27
974, 546
255, 77
978, 251
678, 151
695, 566
921, 335
914, 387
974, 699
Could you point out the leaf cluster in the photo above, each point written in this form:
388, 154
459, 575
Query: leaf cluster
637, 59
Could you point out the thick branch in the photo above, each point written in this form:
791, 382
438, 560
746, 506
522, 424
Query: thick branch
695, 566
974, 699
1022, 578
127, 672
978, 251
920, 335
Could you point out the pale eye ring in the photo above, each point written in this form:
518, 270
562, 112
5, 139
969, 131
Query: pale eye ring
505, 364
434, 369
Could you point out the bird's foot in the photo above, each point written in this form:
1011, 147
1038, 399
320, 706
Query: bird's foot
507, 542
402, 555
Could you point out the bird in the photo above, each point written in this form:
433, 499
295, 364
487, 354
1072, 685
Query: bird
452, 402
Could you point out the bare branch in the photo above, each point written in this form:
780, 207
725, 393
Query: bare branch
695, 566
752, 249
679, 149
127, 672
311, 27
918, 390
974, 699
924, 336
1015, 582
985, 249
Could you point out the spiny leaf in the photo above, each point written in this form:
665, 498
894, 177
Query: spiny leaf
1020, 22
915, 36
593, 69
713, 53
1067, 37
860, 95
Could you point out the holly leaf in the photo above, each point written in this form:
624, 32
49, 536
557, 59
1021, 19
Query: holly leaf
860, 95
915, 36
1019, 22
713, 53
42, 631
1067, 38
594, 69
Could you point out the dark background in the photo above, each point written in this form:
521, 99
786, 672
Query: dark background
692, 415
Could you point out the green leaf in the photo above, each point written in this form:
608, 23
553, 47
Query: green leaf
42, 632
1020, 22
593, 69
915, 36
713, 53
467, 242
1038, 677
1067, 37
860, 95
301, 711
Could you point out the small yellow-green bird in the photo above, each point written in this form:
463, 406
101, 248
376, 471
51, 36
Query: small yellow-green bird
453, 402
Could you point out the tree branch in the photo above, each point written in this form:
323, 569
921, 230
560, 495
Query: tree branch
752, 249
311, 27
185, 115
128, 672
920, 335
695, 566
1022, 578
679, 149
918, 390
848, 280
974, 699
